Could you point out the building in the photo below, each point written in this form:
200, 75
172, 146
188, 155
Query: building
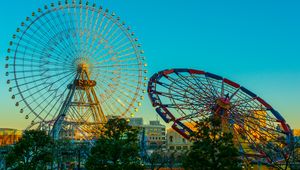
9, 136
176, 142
155, 135
152, 135
136, 121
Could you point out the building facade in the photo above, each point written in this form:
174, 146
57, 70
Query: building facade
176, 142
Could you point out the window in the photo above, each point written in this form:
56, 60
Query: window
178, 147
185, 147
171, 138
171, 148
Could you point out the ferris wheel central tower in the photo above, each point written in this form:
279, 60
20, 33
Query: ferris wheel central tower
81, 96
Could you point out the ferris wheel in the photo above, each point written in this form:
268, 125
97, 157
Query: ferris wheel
183, 97
75, 62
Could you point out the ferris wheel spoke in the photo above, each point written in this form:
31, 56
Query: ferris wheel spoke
192, 84
45, 78
57, 97
35, 87
60, 31
264, 134
252, 121
54, 106
179, 86
41, 54
198, 114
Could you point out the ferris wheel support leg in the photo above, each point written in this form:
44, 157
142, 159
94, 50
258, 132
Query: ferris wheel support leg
62, 113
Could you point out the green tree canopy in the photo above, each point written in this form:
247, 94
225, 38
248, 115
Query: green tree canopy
32, 151
212, 149
117, 148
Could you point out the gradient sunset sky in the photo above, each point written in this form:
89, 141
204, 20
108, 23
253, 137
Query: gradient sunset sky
254, 43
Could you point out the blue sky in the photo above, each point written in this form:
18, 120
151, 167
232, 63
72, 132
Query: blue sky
254, 43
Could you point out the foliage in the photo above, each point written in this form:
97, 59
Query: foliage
32, 151
162, 157
213, 148
117, 147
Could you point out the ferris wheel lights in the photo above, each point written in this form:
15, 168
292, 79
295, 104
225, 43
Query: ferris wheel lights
136, 109
6, 65
13, 96
145, 65
10, 89
87, 3
52, 5
144, 91
22, 24
18, 29
39, 10
139, 104
6, 74
80, 2
145, 84
128, 28
142, 52
8, 81
45, 7
136, 39
33, 14
145, 71
94, 5
132, 33
26, 117
17, 104
106, 10
113, 14
21, 110
59, 3
14, 36
145, 78
131, 115
27, 18
10, 43
7, 58
100, 7
118, 18
8, 50
142, 97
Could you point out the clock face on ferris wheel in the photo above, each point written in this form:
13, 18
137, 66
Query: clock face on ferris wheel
49, 46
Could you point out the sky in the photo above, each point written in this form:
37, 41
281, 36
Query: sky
254, 43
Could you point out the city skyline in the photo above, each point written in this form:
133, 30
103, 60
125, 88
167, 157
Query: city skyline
252, 43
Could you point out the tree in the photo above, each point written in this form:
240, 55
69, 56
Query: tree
212, 149
289, 154
32, 151
117, 147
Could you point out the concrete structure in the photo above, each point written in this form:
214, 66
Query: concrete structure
176, 142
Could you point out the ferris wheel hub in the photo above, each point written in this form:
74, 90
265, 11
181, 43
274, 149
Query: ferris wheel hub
83, 67
223, 103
